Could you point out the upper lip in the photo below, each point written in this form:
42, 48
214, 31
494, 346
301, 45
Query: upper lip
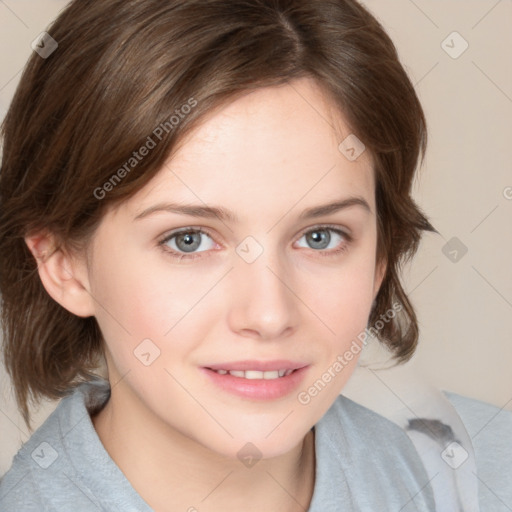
262, 366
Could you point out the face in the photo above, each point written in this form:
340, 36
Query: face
267, 287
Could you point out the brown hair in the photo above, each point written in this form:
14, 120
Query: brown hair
121, 70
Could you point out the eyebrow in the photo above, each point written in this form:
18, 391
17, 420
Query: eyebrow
218, 212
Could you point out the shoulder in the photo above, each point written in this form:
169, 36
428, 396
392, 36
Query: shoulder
480, 417
18, 491
377, 457
44, 463
21, 487
490, 430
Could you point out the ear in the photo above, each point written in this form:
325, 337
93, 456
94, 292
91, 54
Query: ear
63, 275
380, 272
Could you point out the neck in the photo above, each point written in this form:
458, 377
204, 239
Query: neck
173, 472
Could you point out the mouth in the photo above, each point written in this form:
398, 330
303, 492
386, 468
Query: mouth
259, 380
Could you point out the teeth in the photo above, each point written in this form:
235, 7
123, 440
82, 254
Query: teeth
252, 374
255, 374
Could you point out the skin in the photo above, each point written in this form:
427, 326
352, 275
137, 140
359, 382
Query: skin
267, 157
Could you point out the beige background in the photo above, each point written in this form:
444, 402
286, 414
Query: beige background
465, 186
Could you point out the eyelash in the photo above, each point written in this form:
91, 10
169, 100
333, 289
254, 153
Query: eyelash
201, 254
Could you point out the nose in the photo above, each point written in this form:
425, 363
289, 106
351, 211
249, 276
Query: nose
263, 303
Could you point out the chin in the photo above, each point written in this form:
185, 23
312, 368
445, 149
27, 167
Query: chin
248, 449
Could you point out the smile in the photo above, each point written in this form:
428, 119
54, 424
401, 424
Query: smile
257, 380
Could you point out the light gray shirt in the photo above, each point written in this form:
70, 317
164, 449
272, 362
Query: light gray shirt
364, 462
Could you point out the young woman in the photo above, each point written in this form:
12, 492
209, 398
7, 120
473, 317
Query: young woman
214, 198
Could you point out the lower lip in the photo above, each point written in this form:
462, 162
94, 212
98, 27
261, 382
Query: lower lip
258, 389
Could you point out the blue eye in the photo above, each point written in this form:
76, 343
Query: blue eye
189, 243
320, 238
185, 243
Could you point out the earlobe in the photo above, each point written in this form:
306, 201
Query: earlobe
63, 276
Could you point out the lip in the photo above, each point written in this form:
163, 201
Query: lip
257, 389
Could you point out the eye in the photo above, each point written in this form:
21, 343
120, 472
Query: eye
186, 242
189, 242
325, 237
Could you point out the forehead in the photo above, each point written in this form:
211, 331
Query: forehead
268, 149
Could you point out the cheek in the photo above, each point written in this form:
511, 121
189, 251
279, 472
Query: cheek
342, 306
341, 297
157, 301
